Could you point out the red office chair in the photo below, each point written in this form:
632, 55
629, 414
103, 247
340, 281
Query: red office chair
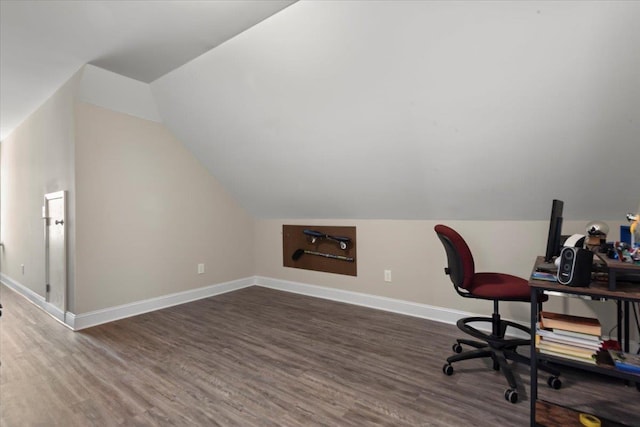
490, 286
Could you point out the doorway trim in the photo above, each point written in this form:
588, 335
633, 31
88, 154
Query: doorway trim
56, 311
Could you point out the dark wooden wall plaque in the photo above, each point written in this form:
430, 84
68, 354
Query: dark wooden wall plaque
297, 244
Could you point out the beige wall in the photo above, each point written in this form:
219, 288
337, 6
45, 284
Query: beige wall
37, 158
411, 250
148, 213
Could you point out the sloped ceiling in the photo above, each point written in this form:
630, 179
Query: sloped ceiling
404, 109
42, 43
420, 110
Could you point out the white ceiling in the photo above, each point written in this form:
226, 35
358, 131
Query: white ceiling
420, 110
351, 109
42, 43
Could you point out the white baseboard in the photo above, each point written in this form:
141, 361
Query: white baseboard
94, 318
97, 317
34, 298
21, 289
425, 311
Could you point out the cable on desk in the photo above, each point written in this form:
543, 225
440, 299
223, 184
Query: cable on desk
613, 329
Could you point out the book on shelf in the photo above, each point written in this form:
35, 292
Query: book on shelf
627, 362
578, 335
590, 360
567, 322
542, 275
554, 336
566, 349
592, 341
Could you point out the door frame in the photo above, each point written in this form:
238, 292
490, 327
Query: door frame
58, 312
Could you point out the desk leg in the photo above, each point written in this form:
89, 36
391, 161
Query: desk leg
619, 320
625, 347
534, 357
612, 281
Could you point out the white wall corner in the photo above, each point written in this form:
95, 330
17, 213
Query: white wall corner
118, 93
70, 320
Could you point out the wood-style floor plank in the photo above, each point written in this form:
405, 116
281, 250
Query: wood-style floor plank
260, 357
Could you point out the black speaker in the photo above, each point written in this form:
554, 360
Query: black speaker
575, 267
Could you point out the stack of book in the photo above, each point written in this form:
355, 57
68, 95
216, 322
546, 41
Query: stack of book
571, 337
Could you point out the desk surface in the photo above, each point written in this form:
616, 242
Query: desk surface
618, 265
624, 291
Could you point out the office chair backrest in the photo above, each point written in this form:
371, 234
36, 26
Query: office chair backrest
461, 267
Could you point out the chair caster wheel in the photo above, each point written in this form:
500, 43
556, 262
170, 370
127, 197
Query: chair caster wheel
447, 369
511, 395
457, 348
554, 383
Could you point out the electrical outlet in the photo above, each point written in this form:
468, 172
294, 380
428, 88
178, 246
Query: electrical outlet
22, 268
387, 275
200, 268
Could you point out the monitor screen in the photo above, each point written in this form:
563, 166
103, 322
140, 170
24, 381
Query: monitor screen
555, 230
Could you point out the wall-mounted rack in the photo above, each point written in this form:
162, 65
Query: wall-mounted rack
331, 249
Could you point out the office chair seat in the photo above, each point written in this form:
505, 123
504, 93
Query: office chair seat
496, 287
501, 286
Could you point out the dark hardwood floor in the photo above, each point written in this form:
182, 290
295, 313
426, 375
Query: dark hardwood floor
259, 357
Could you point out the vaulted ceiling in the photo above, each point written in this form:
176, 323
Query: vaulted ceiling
42, 43
386, 109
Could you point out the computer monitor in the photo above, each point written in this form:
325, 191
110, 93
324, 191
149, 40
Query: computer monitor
555, 230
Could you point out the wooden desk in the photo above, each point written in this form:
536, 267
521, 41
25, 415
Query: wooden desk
618, 268
624, 292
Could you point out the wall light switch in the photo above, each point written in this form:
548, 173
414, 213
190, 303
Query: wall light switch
200, 268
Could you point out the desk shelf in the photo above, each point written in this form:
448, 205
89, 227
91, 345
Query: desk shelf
618, 268
622, 293
601, 368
